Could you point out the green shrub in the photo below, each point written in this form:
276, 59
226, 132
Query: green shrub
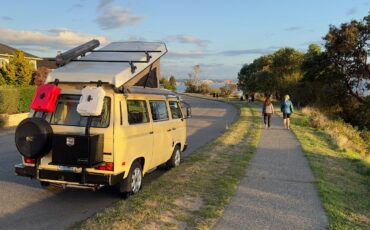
9, 98
25, 98
16, 100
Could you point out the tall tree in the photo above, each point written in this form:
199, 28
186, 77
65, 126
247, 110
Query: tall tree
19, 70
193, 80
347, 49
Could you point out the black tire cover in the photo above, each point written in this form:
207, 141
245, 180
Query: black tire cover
33, 137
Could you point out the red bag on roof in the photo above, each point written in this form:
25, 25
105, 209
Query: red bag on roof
45, 98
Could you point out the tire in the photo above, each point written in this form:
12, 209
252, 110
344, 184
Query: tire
175, 159
33, 137
133, 182
44, 184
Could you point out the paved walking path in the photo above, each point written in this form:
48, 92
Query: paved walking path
278, 190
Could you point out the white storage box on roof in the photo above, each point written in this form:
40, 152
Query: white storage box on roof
91, 101
116, 63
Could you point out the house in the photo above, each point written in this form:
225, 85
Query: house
6, 52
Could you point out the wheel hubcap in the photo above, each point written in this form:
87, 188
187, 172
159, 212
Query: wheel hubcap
136, 180
177, 158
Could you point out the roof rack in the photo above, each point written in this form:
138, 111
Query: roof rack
116, 63
142, 90
131, 62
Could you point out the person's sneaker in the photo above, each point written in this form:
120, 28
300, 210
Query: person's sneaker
265, 125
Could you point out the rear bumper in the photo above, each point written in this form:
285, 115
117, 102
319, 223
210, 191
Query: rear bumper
24, 170
68, 177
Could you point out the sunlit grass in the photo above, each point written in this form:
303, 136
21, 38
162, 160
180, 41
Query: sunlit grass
342, 174
194, 194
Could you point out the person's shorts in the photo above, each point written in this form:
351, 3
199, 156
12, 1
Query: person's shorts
286, 115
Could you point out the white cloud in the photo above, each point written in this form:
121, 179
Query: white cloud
52, 39
113, 16
187, 54
187, 39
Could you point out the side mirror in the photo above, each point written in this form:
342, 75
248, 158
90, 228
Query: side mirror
188, 109
188, 112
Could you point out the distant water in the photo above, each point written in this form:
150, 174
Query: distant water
181, 87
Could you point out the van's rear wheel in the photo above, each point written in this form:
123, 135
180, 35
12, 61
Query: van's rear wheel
175, 159
132, 184
44, 184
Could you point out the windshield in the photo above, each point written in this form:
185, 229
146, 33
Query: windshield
66, 113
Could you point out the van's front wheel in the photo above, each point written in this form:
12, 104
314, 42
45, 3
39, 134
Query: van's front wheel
175, 159
132, 184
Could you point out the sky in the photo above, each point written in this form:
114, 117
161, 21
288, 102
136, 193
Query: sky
218, 35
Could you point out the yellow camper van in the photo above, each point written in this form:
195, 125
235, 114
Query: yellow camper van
137, 128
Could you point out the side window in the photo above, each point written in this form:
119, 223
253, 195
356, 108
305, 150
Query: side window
175, 110
159, 110
137, 112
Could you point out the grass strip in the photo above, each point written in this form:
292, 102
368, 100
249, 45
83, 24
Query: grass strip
343, 176
193, 195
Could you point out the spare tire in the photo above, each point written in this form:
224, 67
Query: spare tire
33, 137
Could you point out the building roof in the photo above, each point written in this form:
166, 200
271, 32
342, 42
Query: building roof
7, 50
108, 64
49, 63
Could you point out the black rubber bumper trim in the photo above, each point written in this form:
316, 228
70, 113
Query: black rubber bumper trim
24, 170
90, 178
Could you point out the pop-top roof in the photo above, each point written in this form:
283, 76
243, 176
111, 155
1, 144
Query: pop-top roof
111, 64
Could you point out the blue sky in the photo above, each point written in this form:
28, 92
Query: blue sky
220, 36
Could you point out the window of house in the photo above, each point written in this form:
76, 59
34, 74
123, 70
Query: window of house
159, 110
175, 110
137, 112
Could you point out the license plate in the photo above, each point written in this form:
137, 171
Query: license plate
65, 169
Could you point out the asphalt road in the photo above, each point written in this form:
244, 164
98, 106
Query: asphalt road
25, 205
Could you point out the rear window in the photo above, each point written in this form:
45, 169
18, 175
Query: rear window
66, 113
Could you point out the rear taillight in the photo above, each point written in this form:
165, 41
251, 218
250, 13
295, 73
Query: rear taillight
28, 160
106, 166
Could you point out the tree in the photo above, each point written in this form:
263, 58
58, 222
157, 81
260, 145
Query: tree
173, 83
2, 78
193, 80
40, 75
286, 70
277, 73
228, 89
19, 70
347, 49
168, 84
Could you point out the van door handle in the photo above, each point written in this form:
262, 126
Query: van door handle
151, 132
169, 130
173, 128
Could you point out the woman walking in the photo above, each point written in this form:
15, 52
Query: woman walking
287, 110
267, 111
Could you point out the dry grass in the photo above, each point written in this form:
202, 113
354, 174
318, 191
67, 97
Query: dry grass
344, 136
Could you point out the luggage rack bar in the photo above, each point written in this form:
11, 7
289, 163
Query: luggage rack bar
148, 57
133, 67
126, 51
